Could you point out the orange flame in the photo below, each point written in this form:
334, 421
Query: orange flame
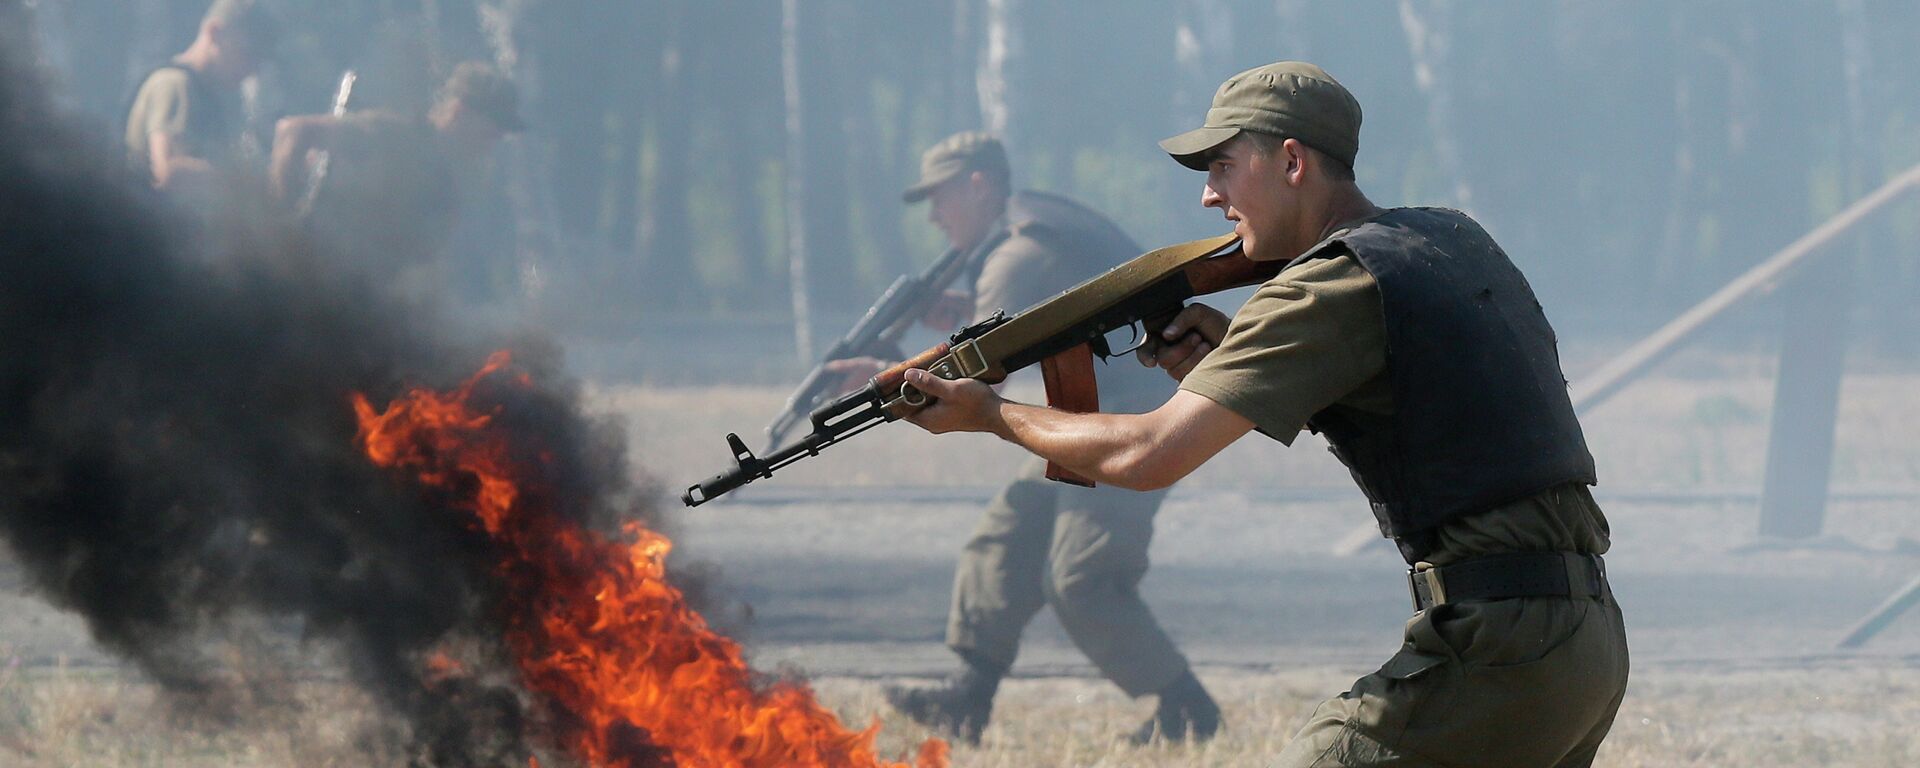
633, 674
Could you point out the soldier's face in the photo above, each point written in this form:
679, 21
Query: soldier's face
1260, 194
962, 209
236, 57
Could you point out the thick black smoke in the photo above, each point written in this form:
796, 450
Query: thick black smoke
177, 453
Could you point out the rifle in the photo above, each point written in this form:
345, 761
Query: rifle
1062, 334
875, 334
317, 178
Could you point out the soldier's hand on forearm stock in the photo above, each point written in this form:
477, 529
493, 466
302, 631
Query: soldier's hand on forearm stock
854, 372
1186, 340
966, 405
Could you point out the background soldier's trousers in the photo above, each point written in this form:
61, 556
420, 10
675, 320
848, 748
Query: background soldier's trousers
1082, 551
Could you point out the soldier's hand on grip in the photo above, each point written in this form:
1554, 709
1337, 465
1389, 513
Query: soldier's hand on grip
1185, 341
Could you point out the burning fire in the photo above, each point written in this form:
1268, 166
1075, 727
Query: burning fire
630, 673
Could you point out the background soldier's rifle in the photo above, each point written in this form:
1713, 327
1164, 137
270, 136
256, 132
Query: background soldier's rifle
318, 176
1062, 334
876, 334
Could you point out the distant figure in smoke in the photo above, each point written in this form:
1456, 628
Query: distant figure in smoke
183, 127
1408, 339
394, 183
1082, 551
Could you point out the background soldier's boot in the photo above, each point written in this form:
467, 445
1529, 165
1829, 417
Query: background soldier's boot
1185, 712
957, 709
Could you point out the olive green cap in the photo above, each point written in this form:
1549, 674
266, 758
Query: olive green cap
960, 153
481, 88
1288, 99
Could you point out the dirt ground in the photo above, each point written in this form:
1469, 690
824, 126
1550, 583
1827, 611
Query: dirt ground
840, 568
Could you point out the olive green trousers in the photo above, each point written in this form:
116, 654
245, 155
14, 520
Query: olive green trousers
1514, 683
1080, 550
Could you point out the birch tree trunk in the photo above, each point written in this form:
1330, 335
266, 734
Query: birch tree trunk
796, 171
997, 56
962, 108
1202, 48
666, 237
527, 179
1429, 44
1678, 230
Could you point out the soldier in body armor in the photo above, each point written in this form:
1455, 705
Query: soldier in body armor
1408, 340
184, 123
1082, 551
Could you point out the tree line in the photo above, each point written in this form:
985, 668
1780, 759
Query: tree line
1632, 155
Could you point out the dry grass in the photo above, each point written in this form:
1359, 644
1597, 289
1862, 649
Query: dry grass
68, 717
1866, 715
1835, 714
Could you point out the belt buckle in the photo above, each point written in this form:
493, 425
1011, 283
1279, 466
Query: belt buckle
1424, 571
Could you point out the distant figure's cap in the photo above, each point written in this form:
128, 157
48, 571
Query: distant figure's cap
1288, 99
481, 88
960, 153
247, 19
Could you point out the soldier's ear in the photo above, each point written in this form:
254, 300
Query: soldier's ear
1299, 159
978, 182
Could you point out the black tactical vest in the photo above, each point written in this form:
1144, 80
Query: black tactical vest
1480, 415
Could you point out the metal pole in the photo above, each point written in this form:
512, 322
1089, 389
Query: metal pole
1896, 604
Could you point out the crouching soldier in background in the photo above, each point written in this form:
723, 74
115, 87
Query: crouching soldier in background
393, 184
1408, 339
1080, 550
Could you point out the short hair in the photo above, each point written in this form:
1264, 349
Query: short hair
245, 18
1267, 144
1001, 179
481, 87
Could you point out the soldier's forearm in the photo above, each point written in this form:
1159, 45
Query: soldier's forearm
1140, 452
1103, 447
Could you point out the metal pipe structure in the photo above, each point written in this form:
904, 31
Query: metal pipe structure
1597, 387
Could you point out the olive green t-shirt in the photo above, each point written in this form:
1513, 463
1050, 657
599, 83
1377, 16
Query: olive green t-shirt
1315, 336
1017, 274
197, 119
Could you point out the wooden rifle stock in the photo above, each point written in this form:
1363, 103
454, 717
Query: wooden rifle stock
1071, 387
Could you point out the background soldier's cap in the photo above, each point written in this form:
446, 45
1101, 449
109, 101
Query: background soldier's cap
1288, 99
481, 88
957, 154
